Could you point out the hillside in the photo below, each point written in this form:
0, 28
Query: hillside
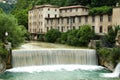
7, 8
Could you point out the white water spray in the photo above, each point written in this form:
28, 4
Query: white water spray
116, 72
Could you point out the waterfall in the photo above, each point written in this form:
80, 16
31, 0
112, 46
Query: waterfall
53, 56
117, 69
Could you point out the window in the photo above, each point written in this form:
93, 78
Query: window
51, 27
67, 20
109, 18
62, 28
47, 21
55, 9
58, 27
58, 20
101, 18
47, 28
66, 10
60, 11
109, 28
101, 29
93, 28
93, 18
73, 19
73, 27
51, 21
76, 9
82, 9
48, 15
62, 20
55, 15
70, 10
79, 19
86, 18
67, 27
48, 9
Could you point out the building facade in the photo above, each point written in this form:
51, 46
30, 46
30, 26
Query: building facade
45, 17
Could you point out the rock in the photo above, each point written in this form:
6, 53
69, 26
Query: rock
118, 39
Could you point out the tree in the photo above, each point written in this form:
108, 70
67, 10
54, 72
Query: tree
85, 34
109, 39
8, 23
52, 35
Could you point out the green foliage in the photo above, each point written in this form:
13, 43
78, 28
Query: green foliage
22, 17
109, 39
105, 53
72, 37
1, 11
101, 10
115, 55
16, 33
110, 54
85, 33
41, 37
72, 40
98, 3
3, 52
7, 8
52, 35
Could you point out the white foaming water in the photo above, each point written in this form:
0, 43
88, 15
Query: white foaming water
116, 72
32, 69
53, 56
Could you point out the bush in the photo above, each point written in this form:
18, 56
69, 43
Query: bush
105, 53
8, 23
109, 39
52, 35
71, 40
110, 54
85, 34
115, 55
3, 52
100, 10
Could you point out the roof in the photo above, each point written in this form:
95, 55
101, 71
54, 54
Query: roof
76, 6
46, 5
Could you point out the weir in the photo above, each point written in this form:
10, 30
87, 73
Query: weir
53, 56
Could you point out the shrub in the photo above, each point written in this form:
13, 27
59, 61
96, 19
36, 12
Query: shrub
109, 39
85, 34
115, 55
3, 52
110, 54
52, 35
100, 10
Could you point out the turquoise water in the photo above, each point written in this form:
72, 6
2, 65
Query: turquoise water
56, 72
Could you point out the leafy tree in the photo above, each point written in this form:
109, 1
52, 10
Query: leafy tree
109, 39
85, 34
100, 10
1, 10
9, 24
7, 8
52, 35
22, 17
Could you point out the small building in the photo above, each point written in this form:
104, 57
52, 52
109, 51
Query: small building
45, 17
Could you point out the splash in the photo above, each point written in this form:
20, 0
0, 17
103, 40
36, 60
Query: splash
32, 69
116, 72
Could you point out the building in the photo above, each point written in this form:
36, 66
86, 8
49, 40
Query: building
45, 17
